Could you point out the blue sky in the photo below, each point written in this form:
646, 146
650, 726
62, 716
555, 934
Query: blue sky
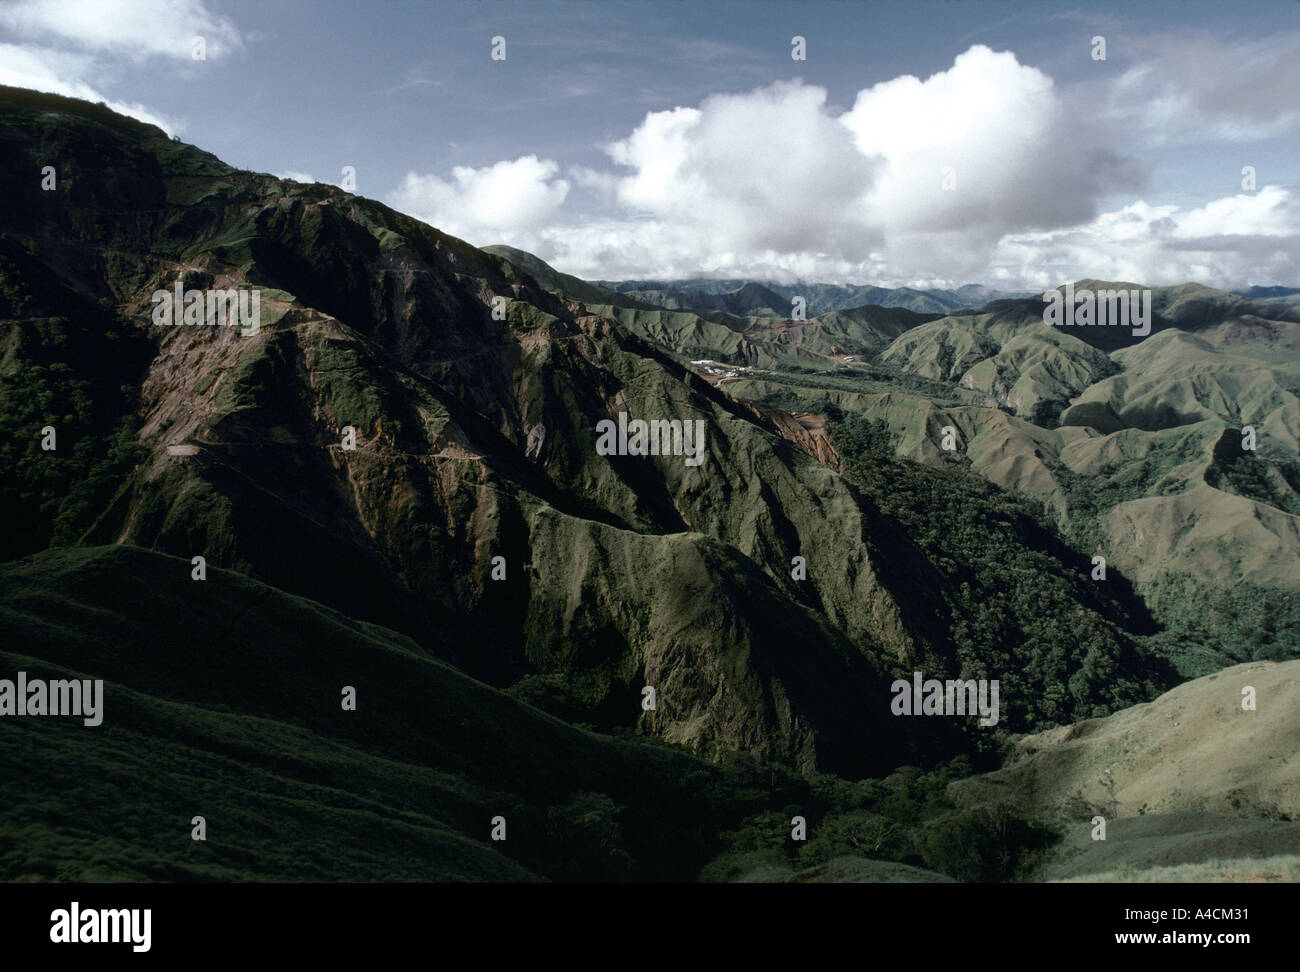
929, 144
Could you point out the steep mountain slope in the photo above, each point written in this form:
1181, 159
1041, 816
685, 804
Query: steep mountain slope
1039, 371
1197, 748
475, 439
223, 699
1174, 456
819, 343
475, 513
1178, 378
1032, 374
1173, 778
548, 278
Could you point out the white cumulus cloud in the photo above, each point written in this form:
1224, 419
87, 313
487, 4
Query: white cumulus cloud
132, 28
510, 198
996, 131
57, 72
1250, 238
771, 170
70, 47
295, 175
984, 172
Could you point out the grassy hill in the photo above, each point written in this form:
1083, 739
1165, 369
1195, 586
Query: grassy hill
223, 699
1193, 748
1179, 847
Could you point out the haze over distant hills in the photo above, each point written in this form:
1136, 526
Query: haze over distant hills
773, 299
750, 297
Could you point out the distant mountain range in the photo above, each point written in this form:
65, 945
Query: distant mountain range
1269, 293
750, 298
774, 299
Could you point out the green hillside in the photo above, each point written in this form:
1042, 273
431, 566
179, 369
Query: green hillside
397, 483
223, 699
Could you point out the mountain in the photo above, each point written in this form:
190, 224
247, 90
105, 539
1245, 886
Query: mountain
1190, 779
1127, 440
820, 343
1268, 293
1195, 748
1192, 787
770, 299
1174, 456
738, 327
475, 439
398, 480
548, 278
222, 700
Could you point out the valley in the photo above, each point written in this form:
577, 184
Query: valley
449, 510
